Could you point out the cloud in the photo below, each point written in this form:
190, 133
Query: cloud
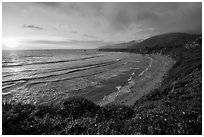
66, 44
89, 36
68, 29
145, 15
33, 27
82, 34
123, 17
62, 41
51, 4
74, 32
94, 43
161, 17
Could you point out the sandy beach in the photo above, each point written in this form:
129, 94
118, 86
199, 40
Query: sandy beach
142, 83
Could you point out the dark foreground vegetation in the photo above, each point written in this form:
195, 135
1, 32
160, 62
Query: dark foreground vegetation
174, 108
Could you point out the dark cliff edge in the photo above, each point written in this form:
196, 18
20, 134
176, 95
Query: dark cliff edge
173, 108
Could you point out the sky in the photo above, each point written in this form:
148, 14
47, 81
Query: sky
53, 25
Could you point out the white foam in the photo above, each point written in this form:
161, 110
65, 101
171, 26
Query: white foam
6, 93
133, 73
143, 72
150, 65
118, 87
124, 63
130, 79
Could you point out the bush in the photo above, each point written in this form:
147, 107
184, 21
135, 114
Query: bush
120, 112
77, 107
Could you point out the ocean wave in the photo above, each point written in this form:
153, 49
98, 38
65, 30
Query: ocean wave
10, 84
83, 68
48, 62
63, 79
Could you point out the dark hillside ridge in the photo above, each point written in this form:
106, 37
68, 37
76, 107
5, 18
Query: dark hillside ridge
158, 43
172, 109
165, 40
121, 45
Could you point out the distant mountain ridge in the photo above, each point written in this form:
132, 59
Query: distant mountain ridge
121, 45
163, 40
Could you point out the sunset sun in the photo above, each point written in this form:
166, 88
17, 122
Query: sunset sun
11, 43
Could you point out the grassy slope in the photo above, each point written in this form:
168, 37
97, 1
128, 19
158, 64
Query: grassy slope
174, 108
177, 105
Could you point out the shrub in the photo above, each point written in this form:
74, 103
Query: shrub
77, 107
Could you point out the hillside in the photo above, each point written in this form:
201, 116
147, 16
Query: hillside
165, 40
178, 101
158, 43
121, 45
173, 108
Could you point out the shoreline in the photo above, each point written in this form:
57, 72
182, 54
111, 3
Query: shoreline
149, 79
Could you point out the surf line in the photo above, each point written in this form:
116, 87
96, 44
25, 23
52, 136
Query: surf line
120, 90
150, 65
131, 77
123, 89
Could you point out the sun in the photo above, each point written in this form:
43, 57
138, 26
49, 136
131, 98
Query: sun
11, 43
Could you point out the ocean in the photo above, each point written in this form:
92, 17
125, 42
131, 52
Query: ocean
52, 76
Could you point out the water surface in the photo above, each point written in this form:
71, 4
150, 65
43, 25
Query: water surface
50, 76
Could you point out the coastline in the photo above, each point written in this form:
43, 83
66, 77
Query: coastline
142, 83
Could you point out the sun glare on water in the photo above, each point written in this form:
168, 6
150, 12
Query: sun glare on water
11, 43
